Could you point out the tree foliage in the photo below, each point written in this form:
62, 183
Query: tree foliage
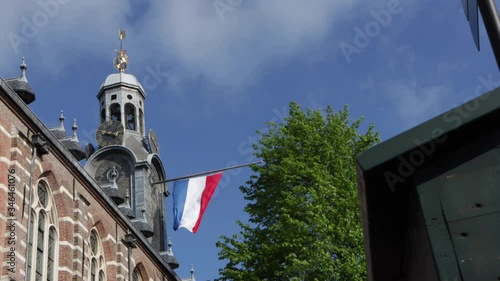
303, 203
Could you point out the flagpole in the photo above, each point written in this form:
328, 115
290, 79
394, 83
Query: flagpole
209, 172
492, 23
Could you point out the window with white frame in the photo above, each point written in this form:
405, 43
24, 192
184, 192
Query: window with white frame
97, 265
43, 238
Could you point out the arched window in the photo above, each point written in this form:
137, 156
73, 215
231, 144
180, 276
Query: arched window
42, 241
115, 112
97, 263
136, 275
141, 122
130, 117
103, 115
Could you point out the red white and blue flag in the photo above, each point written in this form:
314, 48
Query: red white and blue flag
191, 197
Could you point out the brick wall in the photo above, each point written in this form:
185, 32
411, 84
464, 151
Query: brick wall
79, 207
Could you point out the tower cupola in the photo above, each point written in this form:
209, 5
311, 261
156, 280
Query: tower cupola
126, 162
21, 86
121, 96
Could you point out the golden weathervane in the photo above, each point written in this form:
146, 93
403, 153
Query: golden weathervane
121, 59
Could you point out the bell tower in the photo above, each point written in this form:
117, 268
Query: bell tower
121, 97
126, 161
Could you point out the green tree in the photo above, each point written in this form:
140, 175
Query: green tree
304, 208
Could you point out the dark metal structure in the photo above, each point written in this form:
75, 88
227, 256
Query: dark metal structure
429, 198
491, 22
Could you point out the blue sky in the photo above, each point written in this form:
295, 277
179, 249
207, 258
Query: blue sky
216, 71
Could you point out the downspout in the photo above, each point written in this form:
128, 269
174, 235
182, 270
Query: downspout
129, 263
130, 242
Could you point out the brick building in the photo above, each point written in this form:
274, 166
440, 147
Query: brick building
65, 221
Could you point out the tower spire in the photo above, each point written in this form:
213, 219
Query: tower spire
23, 71
169, 250
192, 273
74, 128
61, 120
121, 59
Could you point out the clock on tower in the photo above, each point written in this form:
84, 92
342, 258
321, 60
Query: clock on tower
126, 163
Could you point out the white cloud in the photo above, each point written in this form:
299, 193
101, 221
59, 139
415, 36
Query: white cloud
58, 33
187, 33
414, 95
417, 104
231, 50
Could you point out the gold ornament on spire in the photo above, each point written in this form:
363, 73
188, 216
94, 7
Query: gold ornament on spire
122, 34
121, 59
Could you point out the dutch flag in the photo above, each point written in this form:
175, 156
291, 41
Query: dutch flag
191, 197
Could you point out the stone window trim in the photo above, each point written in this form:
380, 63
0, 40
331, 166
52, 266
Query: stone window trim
141, 121
43, 252
96, 261
130, 117
115, 112
136, 274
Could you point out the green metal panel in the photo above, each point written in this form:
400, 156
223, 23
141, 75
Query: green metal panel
477, 246
473, 188
441, 243
436, 128
452, 163
462, 216
470, 196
